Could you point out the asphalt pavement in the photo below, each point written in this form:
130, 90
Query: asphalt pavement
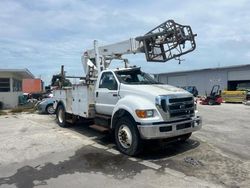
35, 152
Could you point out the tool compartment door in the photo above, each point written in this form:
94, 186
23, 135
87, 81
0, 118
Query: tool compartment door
80, 101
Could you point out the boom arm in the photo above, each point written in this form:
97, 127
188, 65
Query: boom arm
167, 41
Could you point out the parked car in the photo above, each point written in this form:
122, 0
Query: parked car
46, 106
191, 89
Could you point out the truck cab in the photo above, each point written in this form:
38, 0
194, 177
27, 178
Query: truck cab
149, 102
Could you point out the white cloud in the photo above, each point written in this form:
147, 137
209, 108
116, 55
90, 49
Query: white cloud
54, 32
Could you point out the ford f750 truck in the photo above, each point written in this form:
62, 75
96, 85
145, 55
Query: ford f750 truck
128, 101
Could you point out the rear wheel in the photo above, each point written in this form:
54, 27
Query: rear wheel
127, 137
50, 109
61, 116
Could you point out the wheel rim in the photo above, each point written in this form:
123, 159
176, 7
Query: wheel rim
125, 136
60, 115
51, 110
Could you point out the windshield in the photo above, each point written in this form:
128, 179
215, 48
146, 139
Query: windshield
135, 77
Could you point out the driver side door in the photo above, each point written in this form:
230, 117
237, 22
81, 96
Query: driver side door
106, 94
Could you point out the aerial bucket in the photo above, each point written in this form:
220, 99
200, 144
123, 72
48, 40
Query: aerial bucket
168, 41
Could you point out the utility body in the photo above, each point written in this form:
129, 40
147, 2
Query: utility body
127, 101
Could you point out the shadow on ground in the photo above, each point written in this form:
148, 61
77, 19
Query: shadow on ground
153, 149
92, 160
85, 160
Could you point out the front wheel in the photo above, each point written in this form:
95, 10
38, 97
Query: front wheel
61, 116
127, 137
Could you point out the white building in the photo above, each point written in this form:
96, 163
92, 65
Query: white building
227, 77
11, 85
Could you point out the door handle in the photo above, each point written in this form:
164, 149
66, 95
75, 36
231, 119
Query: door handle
96, 94
114, 93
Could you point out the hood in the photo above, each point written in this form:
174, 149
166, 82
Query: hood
154, 90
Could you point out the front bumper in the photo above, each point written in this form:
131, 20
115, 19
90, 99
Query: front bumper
168, 130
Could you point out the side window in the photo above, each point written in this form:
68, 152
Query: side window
108, 81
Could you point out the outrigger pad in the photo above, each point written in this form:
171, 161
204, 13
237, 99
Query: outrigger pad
168, 41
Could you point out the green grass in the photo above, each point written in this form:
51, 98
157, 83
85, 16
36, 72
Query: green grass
17, 110
20, 109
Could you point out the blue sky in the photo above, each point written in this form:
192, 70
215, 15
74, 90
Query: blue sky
41, 35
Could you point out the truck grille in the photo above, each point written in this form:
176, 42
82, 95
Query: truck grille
174, 100
181, 106
178, 107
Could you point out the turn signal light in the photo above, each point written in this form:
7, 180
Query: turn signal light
144, 113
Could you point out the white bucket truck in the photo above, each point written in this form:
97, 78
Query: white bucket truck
127, 101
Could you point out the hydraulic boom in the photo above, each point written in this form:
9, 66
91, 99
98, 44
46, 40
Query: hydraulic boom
167, 41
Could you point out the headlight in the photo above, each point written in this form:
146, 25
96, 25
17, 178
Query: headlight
144, 113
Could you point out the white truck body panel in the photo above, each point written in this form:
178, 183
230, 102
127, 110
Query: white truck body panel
134, 97
77, 100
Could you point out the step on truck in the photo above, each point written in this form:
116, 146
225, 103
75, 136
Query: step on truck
128, 102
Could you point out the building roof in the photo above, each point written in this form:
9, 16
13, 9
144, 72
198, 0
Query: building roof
24, 73
208, 69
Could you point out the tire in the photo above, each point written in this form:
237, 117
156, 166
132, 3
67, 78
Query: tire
211, 102
50, 109
61, 117
127, 137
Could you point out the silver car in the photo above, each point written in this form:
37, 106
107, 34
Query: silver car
46, 106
